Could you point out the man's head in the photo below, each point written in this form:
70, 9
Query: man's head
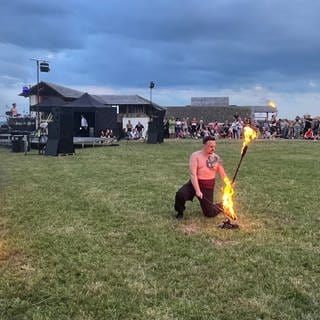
209, 144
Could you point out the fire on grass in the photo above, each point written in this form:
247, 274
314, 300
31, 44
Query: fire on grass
228, 190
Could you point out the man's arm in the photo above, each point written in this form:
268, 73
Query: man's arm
223, 174
221, 171
193, 164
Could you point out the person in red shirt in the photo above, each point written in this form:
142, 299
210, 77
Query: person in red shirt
309, 134
204, 164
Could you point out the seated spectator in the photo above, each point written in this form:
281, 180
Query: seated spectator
267, 134
109, 133
309, 135
139, 130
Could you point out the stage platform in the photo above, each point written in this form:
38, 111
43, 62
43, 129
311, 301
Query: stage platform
6, 140
94, 142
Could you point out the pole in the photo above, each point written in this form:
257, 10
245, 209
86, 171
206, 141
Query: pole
244, 151
151, 86
38, 98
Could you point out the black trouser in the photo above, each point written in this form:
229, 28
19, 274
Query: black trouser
187, 193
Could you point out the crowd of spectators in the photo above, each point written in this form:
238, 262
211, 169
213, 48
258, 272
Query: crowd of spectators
300, 128
107, 133
134, 132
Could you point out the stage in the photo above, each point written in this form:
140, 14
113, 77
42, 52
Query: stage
94, 141
6, 140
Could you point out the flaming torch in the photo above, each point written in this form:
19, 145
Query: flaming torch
249, 135
228, 191
272, 104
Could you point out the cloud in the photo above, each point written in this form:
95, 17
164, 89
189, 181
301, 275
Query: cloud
248, 49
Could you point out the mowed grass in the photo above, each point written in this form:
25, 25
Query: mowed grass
93, 236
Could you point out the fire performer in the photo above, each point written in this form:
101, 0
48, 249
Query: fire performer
204, 164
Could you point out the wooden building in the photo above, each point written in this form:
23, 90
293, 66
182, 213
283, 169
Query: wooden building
210, 109
128, 107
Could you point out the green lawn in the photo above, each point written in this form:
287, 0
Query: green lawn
93, 236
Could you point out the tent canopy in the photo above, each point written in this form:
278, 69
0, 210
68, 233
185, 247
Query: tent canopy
47, 104
85, 103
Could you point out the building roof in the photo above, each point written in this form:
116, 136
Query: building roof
106, 99
112, 99
47, 104
64, 91
86, 101
209, 101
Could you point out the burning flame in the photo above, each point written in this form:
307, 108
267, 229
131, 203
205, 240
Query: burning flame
249, 135
272, 104
227, 201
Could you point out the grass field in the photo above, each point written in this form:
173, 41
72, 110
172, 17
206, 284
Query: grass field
93, 236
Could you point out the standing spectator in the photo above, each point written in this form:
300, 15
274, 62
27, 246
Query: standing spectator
297, 128
165, 128
185, 125
266, 126
194, 125
315, 126
129, 128
307, 123
240, 124
291, 129
84, 126
285, 129
234, 129
178, 127
273, 125
172, 127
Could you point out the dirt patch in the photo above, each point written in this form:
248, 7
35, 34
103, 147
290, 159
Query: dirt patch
223, 243
4, 251
15, 260
190, 229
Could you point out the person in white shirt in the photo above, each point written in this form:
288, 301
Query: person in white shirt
84, 126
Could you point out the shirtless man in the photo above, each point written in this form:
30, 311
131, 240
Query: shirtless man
204, 164
14, 110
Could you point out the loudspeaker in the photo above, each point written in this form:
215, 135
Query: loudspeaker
53, 130
66, 146
152, 137
52, 147
155, 131
60, 133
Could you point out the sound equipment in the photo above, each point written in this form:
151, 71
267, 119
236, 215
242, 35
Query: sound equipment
22, 123
17, 143
152, 137
155, 127
52, 147
60, 133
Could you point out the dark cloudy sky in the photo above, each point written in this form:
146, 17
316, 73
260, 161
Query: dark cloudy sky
252, 51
